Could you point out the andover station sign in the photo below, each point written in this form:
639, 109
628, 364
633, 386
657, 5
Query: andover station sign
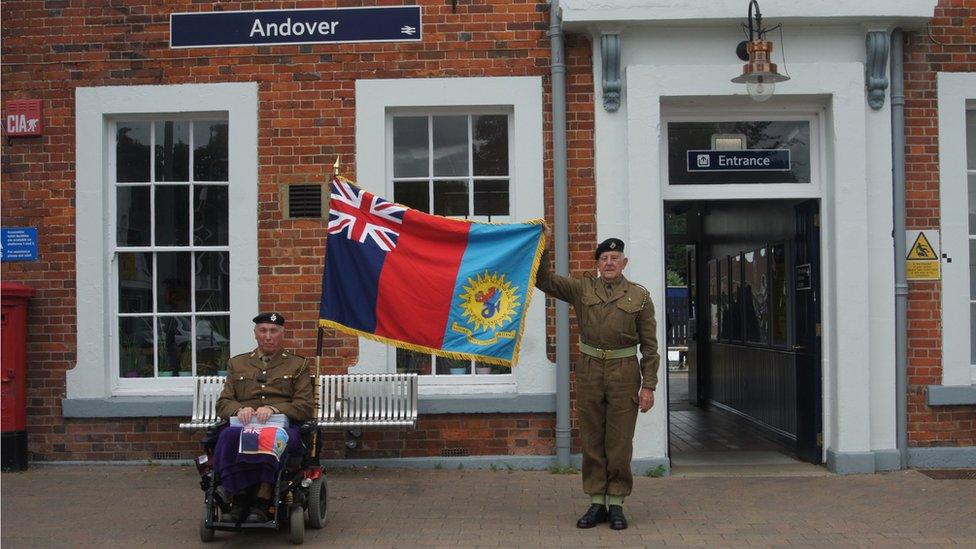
304, 26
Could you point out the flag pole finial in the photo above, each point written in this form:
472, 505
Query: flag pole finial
335, 167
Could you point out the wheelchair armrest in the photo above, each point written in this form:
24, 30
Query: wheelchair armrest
308, 426
212, 433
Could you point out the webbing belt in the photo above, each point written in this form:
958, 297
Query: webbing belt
606, 354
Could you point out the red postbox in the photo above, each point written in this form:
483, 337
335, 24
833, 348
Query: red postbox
13, 374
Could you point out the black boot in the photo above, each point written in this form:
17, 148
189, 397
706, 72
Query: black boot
617, 519
238, 510
259, 512
596, 514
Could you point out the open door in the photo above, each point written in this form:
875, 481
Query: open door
807, 332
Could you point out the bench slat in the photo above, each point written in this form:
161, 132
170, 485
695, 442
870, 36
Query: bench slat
345, 400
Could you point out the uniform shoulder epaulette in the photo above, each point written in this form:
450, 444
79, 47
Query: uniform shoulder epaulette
245, 355
645, 297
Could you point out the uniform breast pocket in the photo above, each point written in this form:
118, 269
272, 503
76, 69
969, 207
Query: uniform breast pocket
591, 310
625, 317
282, 385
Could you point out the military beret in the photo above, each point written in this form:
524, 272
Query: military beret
269, 318
609, 245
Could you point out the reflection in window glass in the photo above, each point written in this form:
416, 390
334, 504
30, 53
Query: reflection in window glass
173, 151
210, 151
451, 198
132, 216
735, 294
713, 317
971, 139
173, 215
175, 352
412, 362
755, 294
778, 293
210, 215
972, 204
768, 134
213, 345
413, 194
135, 282
725, 316
490, 144
136, 347
491, 197
452, 366
212, 282
450, 146
173, 282
410, 147
132, 152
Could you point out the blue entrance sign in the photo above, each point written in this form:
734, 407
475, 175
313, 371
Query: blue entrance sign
756, 160
303, 26
18, 244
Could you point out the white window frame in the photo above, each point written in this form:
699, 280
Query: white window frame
956, 95
96, 375
521, 97
469, 112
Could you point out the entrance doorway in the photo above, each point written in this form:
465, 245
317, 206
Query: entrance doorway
743, 325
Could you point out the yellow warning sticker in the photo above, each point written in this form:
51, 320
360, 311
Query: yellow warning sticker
922, 250
923, 270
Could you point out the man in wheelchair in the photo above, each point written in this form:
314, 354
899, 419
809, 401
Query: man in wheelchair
267, 396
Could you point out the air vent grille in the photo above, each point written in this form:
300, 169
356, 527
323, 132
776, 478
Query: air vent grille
304, 201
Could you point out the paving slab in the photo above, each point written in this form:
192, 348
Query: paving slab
159, 506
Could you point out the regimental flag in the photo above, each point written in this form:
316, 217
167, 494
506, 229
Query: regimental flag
450, 287
263, 440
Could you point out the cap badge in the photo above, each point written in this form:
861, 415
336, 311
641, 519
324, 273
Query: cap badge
274, 318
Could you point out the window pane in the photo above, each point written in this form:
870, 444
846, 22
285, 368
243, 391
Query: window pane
132, 152
972, 269
210, 213
735, 294
135, 347
175, 346
410, 362
452, 366
173, 281
754, 293
483, 368
172, 215
213, 345
778, 289
971, 139
412, 193
410, 146
213, 281
450, 145
972, 203
713, 299
972, 339
759, 135
132, 216
451, 198
490, 144
723, 291
173, 151
491, 197
135, 283
210, 151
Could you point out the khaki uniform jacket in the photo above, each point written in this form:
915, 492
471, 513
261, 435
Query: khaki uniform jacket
286, 386
622, 317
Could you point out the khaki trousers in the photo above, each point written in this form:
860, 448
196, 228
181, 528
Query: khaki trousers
606, 402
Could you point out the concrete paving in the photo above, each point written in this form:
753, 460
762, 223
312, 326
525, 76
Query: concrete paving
160, 506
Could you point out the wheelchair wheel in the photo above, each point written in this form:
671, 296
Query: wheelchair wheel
206, 534
296, 516
317, 503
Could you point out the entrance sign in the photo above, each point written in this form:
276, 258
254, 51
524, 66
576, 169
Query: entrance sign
18, 244
923, 260
302, 26
750, 160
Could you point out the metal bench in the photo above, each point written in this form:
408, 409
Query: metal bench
346, 401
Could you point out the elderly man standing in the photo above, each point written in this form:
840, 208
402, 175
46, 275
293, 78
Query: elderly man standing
616, 318
268, 380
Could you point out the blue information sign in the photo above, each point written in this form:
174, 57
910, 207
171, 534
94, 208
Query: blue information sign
18, 244
303, 26
755, 160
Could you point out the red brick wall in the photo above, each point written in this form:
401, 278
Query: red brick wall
306, 118
950, 48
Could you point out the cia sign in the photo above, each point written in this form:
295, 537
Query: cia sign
23, 118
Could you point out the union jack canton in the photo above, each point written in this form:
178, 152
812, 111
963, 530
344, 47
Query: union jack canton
362, 216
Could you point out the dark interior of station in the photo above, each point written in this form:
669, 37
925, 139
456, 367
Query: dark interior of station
743, 329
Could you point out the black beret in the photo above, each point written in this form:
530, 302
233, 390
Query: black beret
270, 318
609, 245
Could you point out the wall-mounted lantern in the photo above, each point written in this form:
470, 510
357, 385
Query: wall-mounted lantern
759, 74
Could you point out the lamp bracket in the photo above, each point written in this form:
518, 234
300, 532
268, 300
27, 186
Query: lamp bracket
610, 53
875, 78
